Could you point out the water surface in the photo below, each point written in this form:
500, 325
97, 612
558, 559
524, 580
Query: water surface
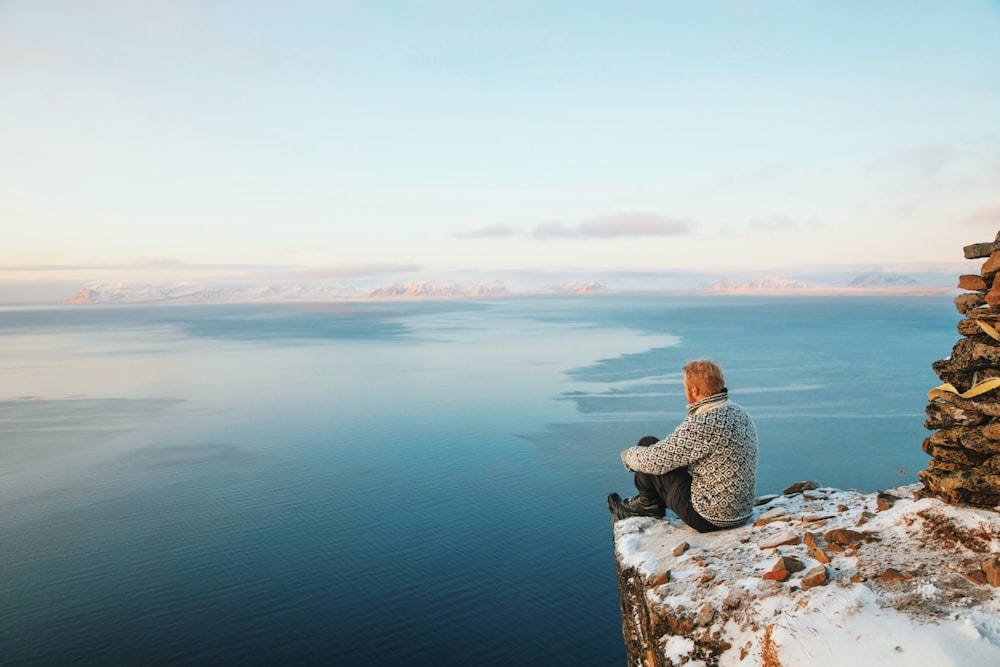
401, 482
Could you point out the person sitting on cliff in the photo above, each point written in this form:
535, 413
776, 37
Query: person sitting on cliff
705, 471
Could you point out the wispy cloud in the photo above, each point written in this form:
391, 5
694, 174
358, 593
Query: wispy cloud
153, 263
149, 264
629, 224
620, 225
353, 270
174, 267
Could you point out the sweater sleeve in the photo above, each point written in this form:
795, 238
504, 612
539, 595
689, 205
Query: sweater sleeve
679, 449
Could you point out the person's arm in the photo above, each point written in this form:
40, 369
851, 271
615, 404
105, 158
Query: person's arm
679, 449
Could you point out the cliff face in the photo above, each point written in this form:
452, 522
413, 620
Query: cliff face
821, 577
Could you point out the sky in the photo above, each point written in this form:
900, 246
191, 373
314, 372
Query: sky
317, 140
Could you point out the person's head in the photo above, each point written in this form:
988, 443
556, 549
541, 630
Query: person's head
702, 379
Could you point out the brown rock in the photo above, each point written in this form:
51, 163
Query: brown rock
857, 578
659, 579
961, 487
991, 569
976, 481
733, 600
969, 301
817, 518
679, 624
977, 577
942, 414
971, 282
991, 266
789, 564
963, 378
892, 574
979, 250
799, 487
985, 314
812, 543
968, 328
681, 548
947, 466
705, 615
815, 577
993, 296
772, 515
975, 354
943, 369
990, 500
976, 439
781, 539
777, 575
885, 500
963, 458
843, 537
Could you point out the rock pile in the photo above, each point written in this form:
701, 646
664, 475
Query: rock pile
965, 410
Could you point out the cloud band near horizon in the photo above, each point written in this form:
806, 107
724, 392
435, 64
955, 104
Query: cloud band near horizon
621, 225
283, 271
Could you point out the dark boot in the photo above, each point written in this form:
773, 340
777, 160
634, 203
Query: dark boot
637, 506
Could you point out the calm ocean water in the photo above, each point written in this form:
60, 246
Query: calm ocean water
416, 483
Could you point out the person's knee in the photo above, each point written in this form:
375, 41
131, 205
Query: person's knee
646, 485
644, 480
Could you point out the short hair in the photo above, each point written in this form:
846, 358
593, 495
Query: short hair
706, 375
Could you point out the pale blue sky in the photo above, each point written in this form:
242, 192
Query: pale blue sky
329, 138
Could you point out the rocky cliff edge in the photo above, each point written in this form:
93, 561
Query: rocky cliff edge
819, 576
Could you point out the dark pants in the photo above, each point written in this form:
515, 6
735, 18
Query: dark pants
672, 489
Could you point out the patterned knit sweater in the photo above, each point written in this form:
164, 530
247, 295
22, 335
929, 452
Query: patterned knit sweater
717, 442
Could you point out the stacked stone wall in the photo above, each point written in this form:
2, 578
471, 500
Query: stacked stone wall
965, 411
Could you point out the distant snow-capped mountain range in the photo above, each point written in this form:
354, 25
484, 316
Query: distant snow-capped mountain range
763, 285
112, 293
187, 292
194, 293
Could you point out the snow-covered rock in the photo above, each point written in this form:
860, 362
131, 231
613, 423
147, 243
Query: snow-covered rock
885, 580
